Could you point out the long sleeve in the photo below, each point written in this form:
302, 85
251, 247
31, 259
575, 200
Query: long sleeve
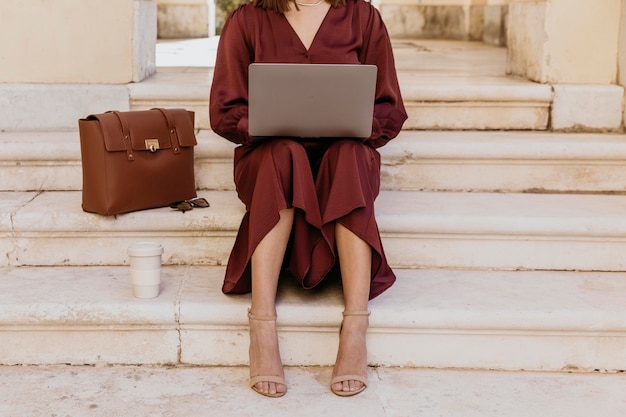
251, 34
389, 111
228, 104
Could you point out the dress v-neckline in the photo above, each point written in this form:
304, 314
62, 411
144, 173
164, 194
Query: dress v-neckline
293, 31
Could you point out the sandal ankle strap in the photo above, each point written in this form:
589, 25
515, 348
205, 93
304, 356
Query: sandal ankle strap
261, 317
356, 313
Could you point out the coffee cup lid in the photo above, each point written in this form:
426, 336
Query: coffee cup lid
145, 249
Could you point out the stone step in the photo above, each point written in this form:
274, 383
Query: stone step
435, 103
445, 84
419, 230
550, 321
444, 104
51, 161
416, 160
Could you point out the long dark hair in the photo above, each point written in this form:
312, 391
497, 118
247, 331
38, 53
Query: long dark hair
281, 6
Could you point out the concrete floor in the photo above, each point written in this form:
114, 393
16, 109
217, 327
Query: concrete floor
77, 391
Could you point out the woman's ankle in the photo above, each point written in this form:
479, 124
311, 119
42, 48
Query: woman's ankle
264, 348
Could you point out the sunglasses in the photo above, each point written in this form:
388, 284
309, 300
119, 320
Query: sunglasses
186, 205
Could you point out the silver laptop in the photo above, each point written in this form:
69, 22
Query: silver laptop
311, 100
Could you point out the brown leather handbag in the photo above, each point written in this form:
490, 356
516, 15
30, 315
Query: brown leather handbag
137, 160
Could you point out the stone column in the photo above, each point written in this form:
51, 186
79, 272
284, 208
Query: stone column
77, 41
564, 41
573, 45
621, 74
61, 60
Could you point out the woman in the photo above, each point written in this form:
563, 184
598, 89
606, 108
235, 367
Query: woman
309, 206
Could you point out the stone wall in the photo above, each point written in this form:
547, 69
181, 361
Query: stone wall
432, 21
475, 20
495, 25
186, 18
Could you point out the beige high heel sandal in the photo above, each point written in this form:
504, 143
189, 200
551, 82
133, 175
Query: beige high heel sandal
342, 378
269, 378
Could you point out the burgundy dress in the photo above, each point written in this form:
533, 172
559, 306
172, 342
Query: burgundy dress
331, 182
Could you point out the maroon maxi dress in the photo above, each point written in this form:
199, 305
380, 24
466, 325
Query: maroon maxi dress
330, 182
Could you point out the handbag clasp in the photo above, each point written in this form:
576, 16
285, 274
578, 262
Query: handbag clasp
152, 145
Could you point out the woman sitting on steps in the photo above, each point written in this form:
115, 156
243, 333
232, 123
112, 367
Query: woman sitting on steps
309, 205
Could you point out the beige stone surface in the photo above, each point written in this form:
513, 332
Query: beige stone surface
66, 316
445, 85
550, 41
419, 229
415, 160
46, 107
70, 41
477, 116
518, 300
621, 70
174, 88
86, 238
392, 392
416, 20
505, 161
502, 319
495, 25
189, 19
40, 161
588, 107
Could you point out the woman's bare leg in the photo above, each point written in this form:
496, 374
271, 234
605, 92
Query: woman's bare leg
355, 257
266, 264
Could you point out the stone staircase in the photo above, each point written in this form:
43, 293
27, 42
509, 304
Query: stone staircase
508, 245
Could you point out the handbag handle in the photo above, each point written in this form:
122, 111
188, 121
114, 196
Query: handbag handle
125, 135
171, 128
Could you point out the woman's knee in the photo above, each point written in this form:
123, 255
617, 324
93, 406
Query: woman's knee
362, 154
282, 148
350, 147
275, 155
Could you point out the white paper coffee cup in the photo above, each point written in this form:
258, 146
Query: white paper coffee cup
145, 268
